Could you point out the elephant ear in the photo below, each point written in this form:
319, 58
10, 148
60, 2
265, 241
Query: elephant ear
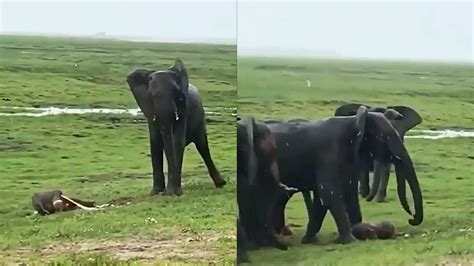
392, 114
410, 119
348, 109
389, 144
138, 82
181, 76
249, 124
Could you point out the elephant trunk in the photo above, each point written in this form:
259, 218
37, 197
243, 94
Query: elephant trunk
405, 171
173, 151
381, 170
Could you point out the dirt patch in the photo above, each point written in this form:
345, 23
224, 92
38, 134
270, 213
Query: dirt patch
449, 262
10, 144
121, 201
190, 247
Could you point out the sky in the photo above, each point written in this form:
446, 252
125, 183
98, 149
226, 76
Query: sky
413, 30
186, 21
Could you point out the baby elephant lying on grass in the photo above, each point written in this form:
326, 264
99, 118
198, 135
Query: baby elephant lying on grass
49, 202
382, 230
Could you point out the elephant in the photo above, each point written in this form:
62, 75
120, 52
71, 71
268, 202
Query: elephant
403, 119
49, 202
175, 116
258, 184
324, 157
242, 242
382, 230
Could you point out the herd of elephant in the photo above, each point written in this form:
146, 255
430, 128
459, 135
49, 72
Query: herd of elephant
331, 158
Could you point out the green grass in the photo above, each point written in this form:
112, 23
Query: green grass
444, 96
106, 157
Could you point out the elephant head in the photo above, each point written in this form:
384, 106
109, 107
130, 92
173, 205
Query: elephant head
383, 141
403, 118
162, 97
260, 152
248, 125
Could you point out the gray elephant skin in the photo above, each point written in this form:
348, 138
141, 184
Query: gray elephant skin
258, 186
403, 119
324, 157
175, 117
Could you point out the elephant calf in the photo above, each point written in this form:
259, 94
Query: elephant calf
382, 230
49, 202
175, 117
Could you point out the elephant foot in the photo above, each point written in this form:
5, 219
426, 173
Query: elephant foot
156, 191
346, 239
280, 245
308, 239
173, 191
219, 182
242, 256
381, 199
364, 191
286, 231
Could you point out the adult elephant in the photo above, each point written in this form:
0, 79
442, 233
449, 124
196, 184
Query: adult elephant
258, 186
403, 119
324, 157
175, 117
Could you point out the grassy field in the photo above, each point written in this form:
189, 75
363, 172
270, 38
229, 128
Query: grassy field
442, 94
106, 157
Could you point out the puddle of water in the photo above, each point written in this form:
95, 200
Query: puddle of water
215, 111
441, 134
45, 111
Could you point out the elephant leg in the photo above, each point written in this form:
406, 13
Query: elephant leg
384, 175
242, 243
315, 223
156, 150
202, 146
278, 215
364, 188
351, 199
332, 196
269, 232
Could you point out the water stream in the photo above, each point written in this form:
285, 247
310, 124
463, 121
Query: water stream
215, 111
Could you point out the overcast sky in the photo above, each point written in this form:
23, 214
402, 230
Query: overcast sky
162, 20
392, 30
388, 30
